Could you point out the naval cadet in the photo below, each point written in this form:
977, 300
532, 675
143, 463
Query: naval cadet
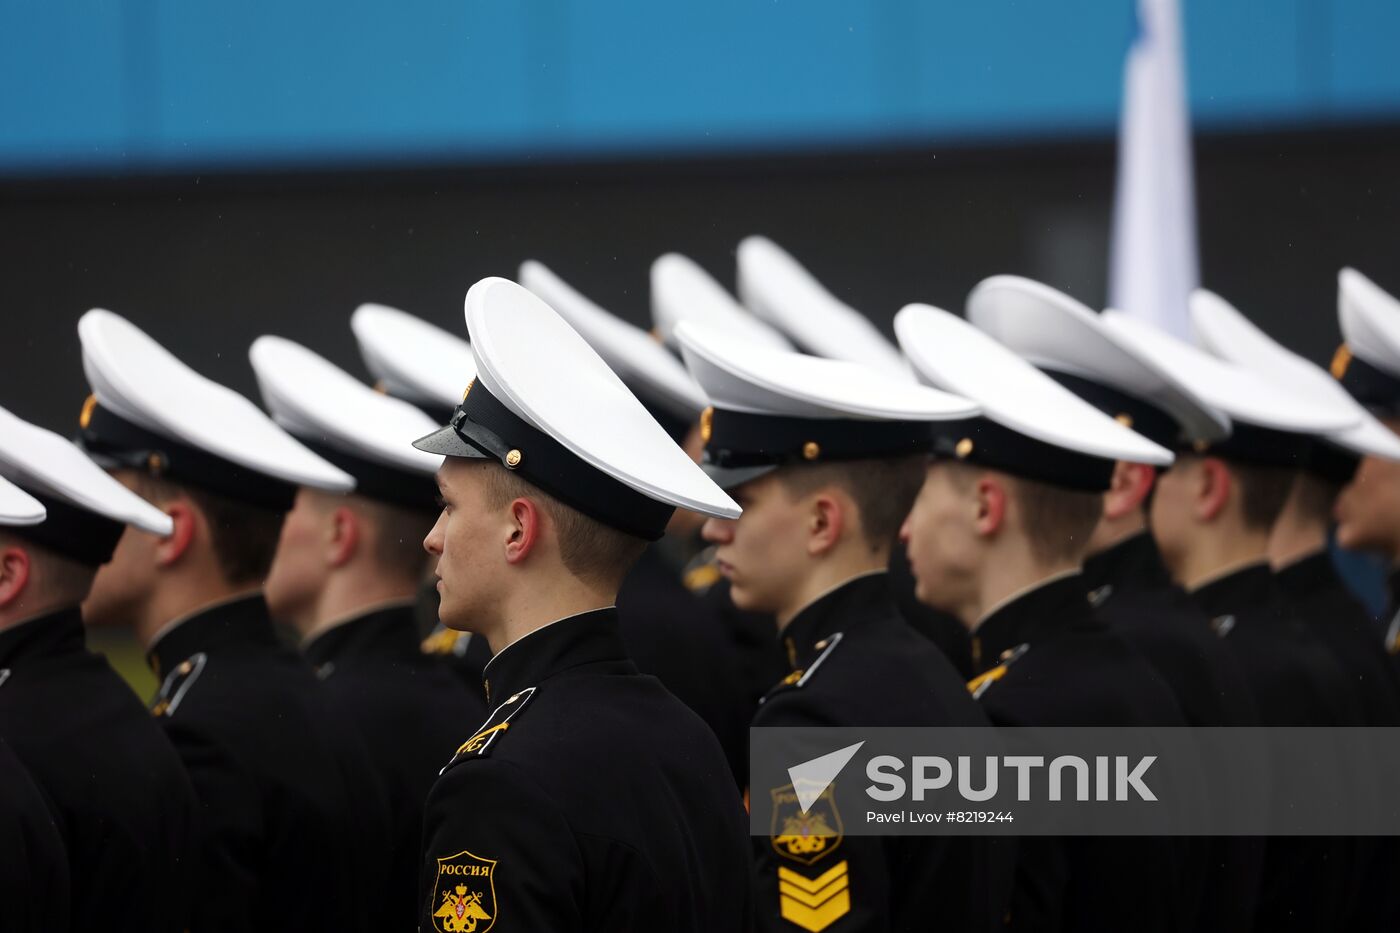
345, 578
425, 366
1368, 367
825, 457
669, 632
997, 536
779, 290
1212, 516
34, 884
292, 830
590, 798
124, 805
1129, 585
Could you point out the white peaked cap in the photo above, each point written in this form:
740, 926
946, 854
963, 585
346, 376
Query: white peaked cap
741, 377
777, 288
953, 355
415, 360
682, 291
1370, 321
1243, 395
50, 465
1055, 332
1227, 333
541, 378
316, 400
631, 352
141, 382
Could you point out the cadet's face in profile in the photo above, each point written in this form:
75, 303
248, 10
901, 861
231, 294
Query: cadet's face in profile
763, 553
1368, 510
1173, 506
299, 570
125, 583
941, 539
462, 542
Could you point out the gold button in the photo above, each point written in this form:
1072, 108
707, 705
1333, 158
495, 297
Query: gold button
811, 450
707, 423
513, 698
155, 463
1123, 418
513, 459
964, 448
186, 667
821, 644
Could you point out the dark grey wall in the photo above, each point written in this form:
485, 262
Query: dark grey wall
208, 264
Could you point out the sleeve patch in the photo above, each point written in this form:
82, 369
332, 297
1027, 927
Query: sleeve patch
815, 903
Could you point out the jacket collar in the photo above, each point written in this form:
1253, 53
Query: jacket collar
239, 624
52, 634
385, 632
1251, 587
1134, 562
587, 638
844, 608
1309, 575
1053, 606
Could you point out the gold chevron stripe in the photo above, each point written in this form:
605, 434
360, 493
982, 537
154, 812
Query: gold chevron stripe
821, 897
812, 885
816, 920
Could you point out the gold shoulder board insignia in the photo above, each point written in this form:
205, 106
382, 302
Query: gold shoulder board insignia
464, 895
445, 641
702, 572
799, 678
979, 684
178, 683
495, 726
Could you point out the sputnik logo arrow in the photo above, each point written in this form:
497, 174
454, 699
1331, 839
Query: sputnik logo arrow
811, 778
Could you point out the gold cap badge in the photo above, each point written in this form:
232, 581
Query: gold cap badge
513, 458
963, 448
811, 450
707, 423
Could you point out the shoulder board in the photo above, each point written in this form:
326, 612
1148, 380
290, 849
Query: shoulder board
701, 573
446, 641
495, 726
178, 683
979, 684
799, 678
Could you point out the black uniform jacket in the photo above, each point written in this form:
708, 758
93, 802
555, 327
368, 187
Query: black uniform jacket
411, 710
857, 662
34, 888
590, 799
1132, 591
1307, 882
1050, 661
123, 804
679, 638
292, 827
1335, 618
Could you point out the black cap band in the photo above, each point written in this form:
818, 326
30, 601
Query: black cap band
107, 435
984, 442
72, 531
1143, 417
374, 480
1252, 444
1368, 385
735, 439
486, 425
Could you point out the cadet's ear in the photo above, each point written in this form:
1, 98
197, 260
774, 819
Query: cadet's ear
825, 523
524, 530
1128, 489
173, 546
1213, 488
14, 574
990, 504
345, 536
